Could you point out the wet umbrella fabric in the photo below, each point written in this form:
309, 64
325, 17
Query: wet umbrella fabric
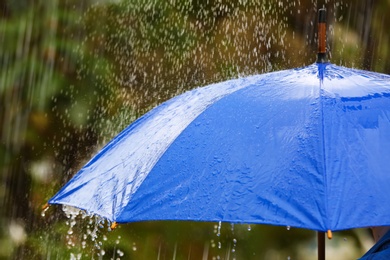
307, 148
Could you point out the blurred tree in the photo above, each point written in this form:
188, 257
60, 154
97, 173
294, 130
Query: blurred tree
358, 36
46, 110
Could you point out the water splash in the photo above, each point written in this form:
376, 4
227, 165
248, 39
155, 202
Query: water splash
71, 213
249, 228
219, 228
85, 230
234, 245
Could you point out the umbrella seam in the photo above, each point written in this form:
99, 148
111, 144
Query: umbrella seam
324, 169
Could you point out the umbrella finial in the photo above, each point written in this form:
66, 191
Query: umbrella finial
329, 234
321, 58
46, 206
113, 225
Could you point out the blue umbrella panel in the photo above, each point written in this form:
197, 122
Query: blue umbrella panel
307, 148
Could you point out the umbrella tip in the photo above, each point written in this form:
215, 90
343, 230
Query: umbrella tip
114, 225
329, 234
46, 206
321, 57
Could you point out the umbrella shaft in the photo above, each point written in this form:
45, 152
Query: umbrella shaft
321, 36
321, 245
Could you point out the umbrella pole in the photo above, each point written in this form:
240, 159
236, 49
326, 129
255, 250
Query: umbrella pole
321, 245
321, 58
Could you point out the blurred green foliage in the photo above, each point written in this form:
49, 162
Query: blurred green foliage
74, 73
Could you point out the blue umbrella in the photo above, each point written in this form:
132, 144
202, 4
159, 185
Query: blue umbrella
306, 148
303, 148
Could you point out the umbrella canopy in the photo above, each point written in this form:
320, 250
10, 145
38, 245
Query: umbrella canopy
307, 148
